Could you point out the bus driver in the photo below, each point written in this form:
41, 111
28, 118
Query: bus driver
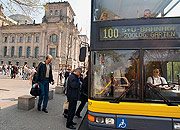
157, 81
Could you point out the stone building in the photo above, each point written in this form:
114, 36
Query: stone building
21, 19
30, 43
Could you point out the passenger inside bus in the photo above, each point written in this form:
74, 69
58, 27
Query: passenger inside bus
118, 85
157, 81
147, 13
104, 16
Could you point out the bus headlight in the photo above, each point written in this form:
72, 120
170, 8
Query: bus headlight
99, 120
177, 126
109, 121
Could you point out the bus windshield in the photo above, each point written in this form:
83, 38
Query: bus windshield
162, 71
127, 9
113, 72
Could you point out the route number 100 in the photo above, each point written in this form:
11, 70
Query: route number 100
111, 33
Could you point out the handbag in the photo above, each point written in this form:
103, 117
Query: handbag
35, 91
66, 105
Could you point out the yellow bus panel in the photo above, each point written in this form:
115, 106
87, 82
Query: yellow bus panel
128, 108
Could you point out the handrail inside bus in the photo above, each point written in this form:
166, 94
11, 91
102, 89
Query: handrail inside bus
117, 100
104, 88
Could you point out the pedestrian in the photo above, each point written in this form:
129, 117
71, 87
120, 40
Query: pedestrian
44, 77
33, 77
73, 90
61, 74
3, 69
12, 72
66, 76
83, 96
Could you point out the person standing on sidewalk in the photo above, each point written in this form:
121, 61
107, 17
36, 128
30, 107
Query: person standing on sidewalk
73, 90
83, 96
44, 77
67, 73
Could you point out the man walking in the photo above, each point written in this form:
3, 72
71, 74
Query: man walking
44, 77
73, 90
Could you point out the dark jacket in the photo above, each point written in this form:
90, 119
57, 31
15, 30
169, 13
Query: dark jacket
84, 90
73, 87
66, 75
42, 72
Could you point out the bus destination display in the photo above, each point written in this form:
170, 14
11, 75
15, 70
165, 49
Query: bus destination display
149, 32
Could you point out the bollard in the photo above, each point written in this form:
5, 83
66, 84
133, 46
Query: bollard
51, 92
26, 102
59, 89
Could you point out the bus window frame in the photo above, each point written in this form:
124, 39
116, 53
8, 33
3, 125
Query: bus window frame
90, 79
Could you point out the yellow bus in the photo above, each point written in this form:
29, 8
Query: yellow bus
134, 65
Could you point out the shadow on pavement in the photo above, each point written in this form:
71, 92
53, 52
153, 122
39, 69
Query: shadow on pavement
14, 119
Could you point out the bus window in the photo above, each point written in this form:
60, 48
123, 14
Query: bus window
113, 72
162, 69
127, 9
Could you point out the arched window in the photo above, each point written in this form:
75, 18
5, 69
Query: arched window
12, 51
53, 52
36, 52
53, 38
56, 12
61, 12
51, 12
20, 51
28, 51
5, 51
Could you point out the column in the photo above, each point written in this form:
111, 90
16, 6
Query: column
46, 49
1, 41
24, 46
42, 43
59, 46
8, 45
16, 46
32, 45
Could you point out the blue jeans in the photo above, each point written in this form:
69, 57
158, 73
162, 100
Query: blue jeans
44, 86
24, 76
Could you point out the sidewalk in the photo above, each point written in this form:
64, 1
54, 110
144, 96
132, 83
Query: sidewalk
12, 118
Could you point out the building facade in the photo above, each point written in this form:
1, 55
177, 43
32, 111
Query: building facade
21, 19
30, 43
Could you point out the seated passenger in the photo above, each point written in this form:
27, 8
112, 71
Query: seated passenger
104, 16
156, 80
147, 13
116, 17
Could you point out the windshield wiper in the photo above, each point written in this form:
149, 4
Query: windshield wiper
117, 100
155, 91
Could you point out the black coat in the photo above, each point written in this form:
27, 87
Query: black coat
73, 87
84, 90
66, 75
41, 74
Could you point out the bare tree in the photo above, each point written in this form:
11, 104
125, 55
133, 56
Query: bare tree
27, 7
68, 48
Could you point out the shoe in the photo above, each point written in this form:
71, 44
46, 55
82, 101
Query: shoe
71, 127
79, 116
39, 108
44, 110
65, 116
73, 123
